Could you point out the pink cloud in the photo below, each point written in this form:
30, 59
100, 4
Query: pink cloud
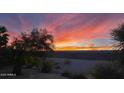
25, 24
61, 20
85, 33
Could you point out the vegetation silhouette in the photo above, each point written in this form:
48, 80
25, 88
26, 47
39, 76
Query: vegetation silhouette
36, 40
3, 37
114, 69
118, 36
4, 50
107, 71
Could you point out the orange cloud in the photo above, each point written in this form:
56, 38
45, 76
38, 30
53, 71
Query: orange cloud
84, 33
79, 35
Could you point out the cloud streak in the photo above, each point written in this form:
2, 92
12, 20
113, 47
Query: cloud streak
69, 29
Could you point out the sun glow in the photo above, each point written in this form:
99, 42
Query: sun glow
72, 48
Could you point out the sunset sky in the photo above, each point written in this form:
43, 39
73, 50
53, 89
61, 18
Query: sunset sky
71, 31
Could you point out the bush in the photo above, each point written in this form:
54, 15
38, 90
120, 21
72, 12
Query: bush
67, 62
106, 71
31, 61
47, 67
42, 65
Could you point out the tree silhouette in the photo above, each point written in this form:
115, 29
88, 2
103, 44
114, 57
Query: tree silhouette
114, 69
36, 40
118, 36
3, 37
5, 53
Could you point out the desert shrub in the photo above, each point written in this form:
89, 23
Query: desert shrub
31, 62
106, 71
41, 64
56, 65
67, 62
47, 67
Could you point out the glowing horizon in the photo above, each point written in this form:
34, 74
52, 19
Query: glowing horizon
71, 31
83, 48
